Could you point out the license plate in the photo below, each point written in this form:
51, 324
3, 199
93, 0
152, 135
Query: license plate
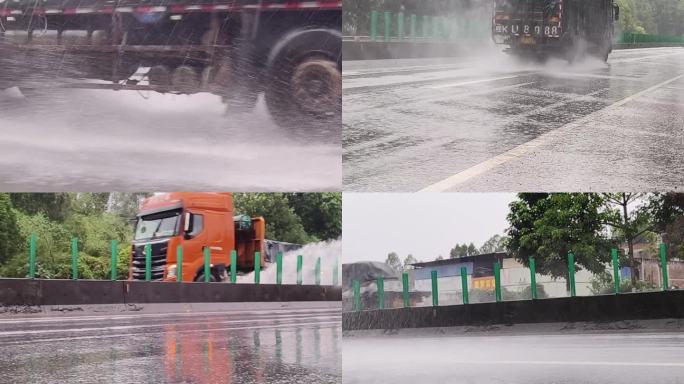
528, 40
527, 30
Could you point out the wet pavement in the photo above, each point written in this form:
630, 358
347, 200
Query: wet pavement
105, 140
596, 358
490, 123
292, 345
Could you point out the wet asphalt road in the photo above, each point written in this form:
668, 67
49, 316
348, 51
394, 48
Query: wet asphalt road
489, 123
529, 359
260, 346
104, 140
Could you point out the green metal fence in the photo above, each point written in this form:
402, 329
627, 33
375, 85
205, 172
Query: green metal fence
637, 38
409, 297
206, 267
400, 26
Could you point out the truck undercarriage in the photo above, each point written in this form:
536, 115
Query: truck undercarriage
291, 50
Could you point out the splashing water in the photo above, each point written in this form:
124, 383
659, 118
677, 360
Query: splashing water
329, 251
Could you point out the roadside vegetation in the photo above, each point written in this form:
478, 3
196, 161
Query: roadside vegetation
98, 218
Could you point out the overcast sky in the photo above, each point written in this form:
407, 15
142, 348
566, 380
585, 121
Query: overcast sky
423, 224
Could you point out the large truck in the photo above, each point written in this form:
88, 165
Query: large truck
570, 29
194, 221
290, 50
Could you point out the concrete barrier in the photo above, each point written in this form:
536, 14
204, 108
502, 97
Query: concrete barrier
27, 292
632, 306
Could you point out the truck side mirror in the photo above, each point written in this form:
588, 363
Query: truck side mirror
187, 223
616, 9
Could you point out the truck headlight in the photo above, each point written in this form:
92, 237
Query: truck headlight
171, 270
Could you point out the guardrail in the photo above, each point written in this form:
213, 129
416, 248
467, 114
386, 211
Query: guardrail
380, 292
390, 26
32, 263
590, 309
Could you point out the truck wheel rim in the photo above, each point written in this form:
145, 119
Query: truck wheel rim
317, 86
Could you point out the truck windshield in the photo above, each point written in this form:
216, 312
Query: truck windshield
157, 225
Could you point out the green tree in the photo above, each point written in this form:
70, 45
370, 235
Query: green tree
125, 204
548, 226
55, 206
282, 223
321, 213
409, 260
463, 250
496, 243
667, 211
90, 203
629, 222
10, 239
393, 261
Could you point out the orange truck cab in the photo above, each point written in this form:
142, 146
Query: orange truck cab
194, 221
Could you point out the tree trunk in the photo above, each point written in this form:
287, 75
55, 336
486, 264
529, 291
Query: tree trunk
630, 240
632, 262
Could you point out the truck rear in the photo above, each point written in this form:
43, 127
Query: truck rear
564, 28
290, 50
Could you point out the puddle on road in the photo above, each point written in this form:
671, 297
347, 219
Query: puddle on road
288, 355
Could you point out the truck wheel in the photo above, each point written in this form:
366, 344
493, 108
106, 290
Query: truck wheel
307, 99
212, 278
185, 77
159, 75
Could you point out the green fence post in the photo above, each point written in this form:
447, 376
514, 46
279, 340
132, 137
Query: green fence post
207, 264
300, 261
533, 278
663, 265
279, 268
435, 27
426, 26
257, 267
497, 281
616, 270
115, 254
74, 258
335, 278
381, 293
233, 266
400, 25
32, 255
414, 23
374, 25
405, 285
388, 25
357, 295
435, 291
464, 284
148, 262
318, 271
179, 263
571, 274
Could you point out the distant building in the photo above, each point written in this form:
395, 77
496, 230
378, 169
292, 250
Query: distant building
515, 279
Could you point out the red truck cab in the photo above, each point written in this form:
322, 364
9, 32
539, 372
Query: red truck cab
193, 221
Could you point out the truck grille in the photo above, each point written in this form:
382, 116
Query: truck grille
159, 251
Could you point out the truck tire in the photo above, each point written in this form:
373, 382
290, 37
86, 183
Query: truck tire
304, 87
308, 98
186, 78
159, 75
213, 278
